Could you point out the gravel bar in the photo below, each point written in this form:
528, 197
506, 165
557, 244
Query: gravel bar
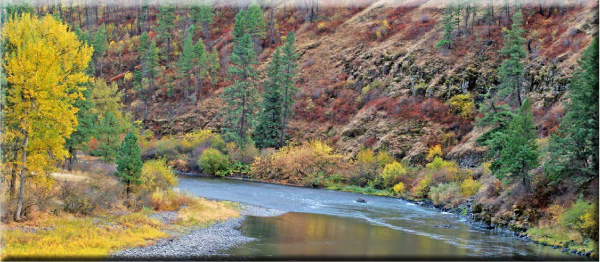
200, 242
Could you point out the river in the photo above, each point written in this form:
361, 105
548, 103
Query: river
325, 224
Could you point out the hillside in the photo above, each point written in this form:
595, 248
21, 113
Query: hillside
358, 89
487, 109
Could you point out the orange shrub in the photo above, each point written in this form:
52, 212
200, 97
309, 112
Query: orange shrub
298, 164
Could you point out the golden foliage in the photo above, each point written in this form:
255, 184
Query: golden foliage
297, 163
469, 187
463, 105
434, 151
156, 174
392, 170
45, 64
399, 188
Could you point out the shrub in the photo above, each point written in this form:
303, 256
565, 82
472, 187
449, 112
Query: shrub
463, 105
399, 188
392, 171
439, 163
383, 158
469, 187
86, 197
421, 186
156, 174
583, 217
212, 161
446, 194
165, 200
296, 164
366, 167
246, 155
434, 151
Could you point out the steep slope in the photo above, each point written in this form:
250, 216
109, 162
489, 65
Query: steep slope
374, 77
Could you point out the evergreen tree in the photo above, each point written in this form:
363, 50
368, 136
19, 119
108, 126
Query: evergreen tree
108, 133
138, 75
511, 71
499, 115
204, 15
242, 96
448, 28
185, 63
149, 72
166, 23
519, 154
288, 82
203, 66
129, 162
268, 130
250, 22
214, 65
100, 46
255, 21
240, 27
574, 149
85, 126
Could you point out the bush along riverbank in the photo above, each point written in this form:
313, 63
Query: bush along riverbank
88, 215
533, 211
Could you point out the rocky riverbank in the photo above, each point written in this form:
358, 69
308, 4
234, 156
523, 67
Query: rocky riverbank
198, 243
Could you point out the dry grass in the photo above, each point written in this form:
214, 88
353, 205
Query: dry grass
69, 236
202, 212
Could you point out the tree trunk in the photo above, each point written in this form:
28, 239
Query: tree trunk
22, 178
272, 24
168, 49
284, 118
13, 182
467, 15
206, 30
507, 7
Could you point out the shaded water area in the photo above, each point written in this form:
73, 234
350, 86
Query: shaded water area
326, 224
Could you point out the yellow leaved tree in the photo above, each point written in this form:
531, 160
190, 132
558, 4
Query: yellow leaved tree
44, 65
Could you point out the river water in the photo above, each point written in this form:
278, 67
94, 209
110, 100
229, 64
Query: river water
324, 224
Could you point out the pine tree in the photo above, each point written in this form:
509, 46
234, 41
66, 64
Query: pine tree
448, 29
100, 46
288, 82
185, 63
574, 149
204, 15
511, 71
250, 22
499, 115
85, 127
149, 72
268, 130
203, 66
519, 154
166, 23
129, 162
255, 21
214, 65
242, 96
108, 133
240, 27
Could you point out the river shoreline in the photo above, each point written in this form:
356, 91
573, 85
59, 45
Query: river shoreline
199, 243
469, 217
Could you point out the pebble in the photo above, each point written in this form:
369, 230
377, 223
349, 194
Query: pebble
200, 242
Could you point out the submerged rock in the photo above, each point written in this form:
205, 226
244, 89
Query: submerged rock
361, 200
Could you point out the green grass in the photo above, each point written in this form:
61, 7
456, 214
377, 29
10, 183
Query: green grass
558, 236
